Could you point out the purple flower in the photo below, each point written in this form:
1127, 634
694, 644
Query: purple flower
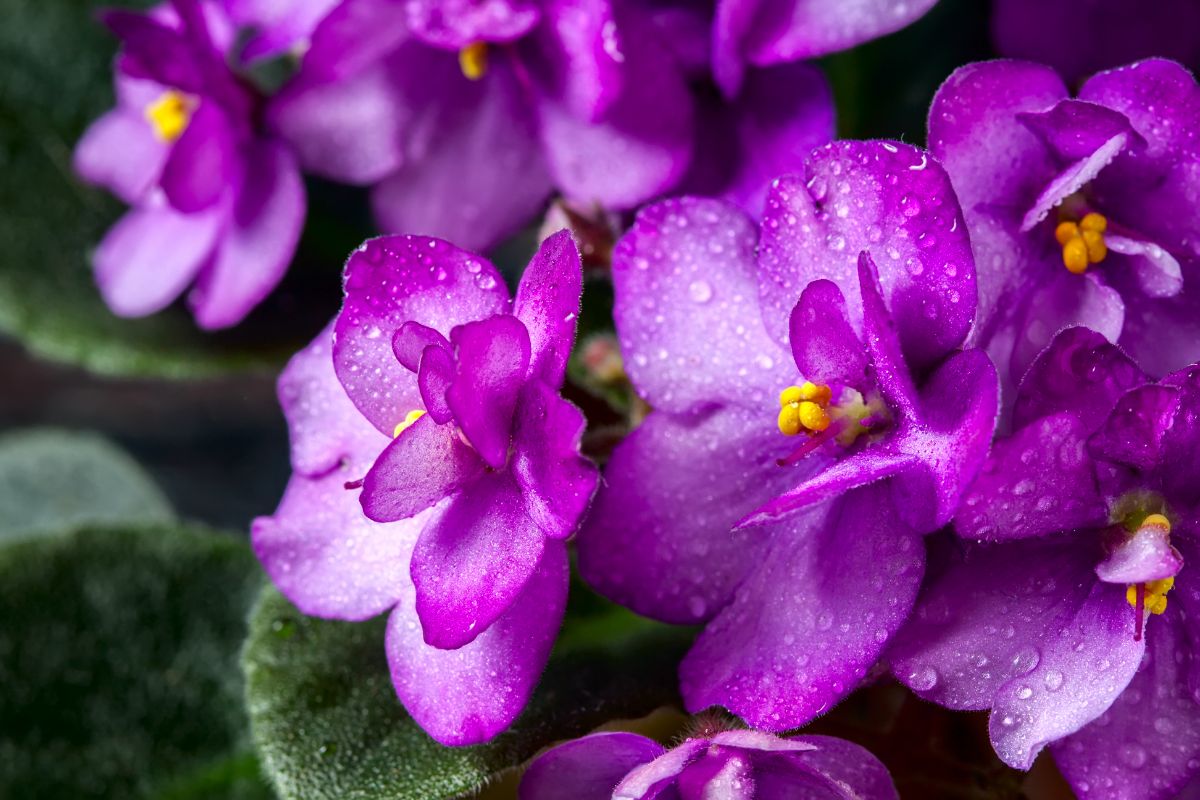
766, 32
439, 396
1078, 39
729, 764
465, 116
1081, 210
214, 201
277, 26
1072, 613
892, 417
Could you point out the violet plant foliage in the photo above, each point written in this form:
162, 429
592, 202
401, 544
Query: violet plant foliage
1070, 610
216, 203
730, 764
438, 395
801, 561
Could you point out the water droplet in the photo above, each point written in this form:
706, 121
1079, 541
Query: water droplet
923, 678
700, 291
1053, 680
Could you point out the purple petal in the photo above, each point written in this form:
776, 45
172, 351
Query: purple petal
547, 303
1179, 469
557, 482
151, 49
722, 774
388, 282
1157, 272
454, 24
1146, 555
658, 537
472, 563
278, 26
435, 376
647, 130
762, 741
1035, 482
353, 36
777, 659
1072, 178
586, 768
824, 344
649, 780
887, 198
475, 172
120, 152
578, 55
1133, 433
1147, 745
469, 695
849, 765
202, 163
424, 464
259, 240
493, 359
1074, 129
686, 308
410, 341
1080, 372
153, 252
1163, 335
881, 336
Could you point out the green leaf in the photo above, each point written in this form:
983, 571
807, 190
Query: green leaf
328, 724
119, 662
51, 480
58, 78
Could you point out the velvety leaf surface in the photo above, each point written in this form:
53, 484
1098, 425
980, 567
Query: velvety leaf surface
118, 658
55, 479
328, 724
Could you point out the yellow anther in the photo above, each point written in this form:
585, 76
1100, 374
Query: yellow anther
1096, 249
1094, 222
1075, 256
1082, 242
1065, 232
169, 115
409, 418
1157, 520
1155, 599
812, 416
789, 420
472, 60
803, 408
790, 396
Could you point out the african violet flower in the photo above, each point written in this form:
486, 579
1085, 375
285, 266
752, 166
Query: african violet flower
276, 26
439, 396
464, 116
726, 764
1078, 39
1081, 210
1076, 616
214, 200
798, 607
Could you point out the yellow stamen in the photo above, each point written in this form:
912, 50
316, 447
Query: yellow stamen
409, 419
472, 60
1156, 594
169, 115
1082, 242
1157, 520
804, 408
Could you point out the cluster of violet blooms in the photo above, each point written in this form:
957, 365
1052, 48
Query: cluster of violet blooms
926, 411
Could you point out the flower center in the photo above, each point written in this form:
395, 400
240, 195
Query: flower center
169, 115
1082, 242
473, 60
804, 408
1151, 595
409, 420
809, 409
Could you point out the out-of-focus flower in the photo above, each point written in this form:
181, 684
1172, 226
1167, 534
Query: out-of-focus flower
214, 200
439, 396
894, 420
276, 26
1081, 210
729, 764
1072, 614
1079, 37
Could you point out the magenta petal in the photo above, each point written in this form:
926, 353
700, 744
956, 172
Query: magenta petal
153, 252
410, 341
848, 765
435, 376
790, 645
825, 346
1157, 272
493, 358
727, 774
473, 562
1035, 482
1074, 129
1133, 433
202, 162
658, 537
434, 283
454, 24
586, 768
120, 152
892, 200
1146, 555
788, 31
259, 240
649, 780
1147, 745
687, 311
422, 465
1072, 178
579, 55
547, 303
557, 482
471, 694
1080, 372
882, 338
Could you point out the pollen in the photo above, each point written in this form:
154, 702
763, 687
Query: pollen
1082, 242
169, 115
473, 60
409, 419
1156, 594
1157, 520
804, 408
